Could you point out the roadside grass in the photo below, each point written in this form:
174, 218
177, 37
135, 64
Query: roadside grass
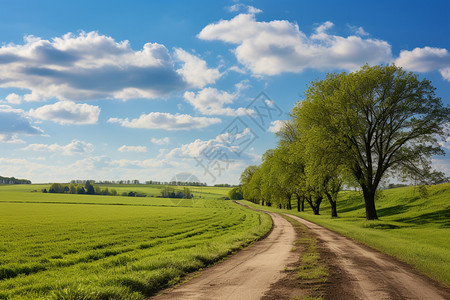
413, 228
105, 247
312, 271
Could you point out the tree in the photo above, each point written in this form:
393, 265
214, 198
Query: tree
90, 190
236, 193
378, 120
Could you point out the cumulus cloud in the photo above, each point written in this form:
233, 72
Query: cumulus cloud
67, 112
227, 144
195, 70
248, 8
358, 30
271, 48
161, 142
94, 66
10, 139
13, 98
276, 126
141, 149
425, 60
166, 121
211, 101
75, 147
14, 122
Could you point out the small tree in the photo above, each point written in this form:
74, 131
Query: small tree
236, 193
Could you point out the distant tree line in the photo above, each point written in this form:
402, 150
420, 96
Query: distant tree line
83, 181
136, 181
74, 188
12, 180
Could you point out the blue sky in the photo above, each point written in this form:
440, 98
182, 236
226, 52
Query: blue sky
112, 90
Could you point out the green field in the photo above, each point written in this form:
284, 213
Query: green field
410, 227
62, 246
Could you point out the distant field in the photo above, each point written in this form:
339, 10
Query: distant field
110, 247
411, 228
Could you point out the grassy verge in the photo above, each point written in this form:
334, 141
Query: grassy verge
413, 228
77, 247
312, 271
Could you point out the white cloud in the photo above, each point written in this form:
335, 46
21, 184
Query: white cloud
75, 147
166, 121
14, 122
358, 30
446, 143
13, 98
195, 70
148, 163
425, 60
225, 143
67, 112
10, 139
210, 101
441, 165
161, 142
94, 66
248, 8
124, 148
270, 48
276, 126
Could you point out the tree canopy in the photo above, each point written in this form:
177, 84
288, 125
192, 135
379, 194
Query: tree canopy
357, 127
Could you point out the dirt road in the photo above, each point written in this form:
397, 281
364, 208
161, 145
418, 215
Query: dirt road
374, 275
246, 275
356, 271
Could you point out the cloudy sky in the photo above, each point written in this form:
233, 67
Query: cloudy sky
144, 90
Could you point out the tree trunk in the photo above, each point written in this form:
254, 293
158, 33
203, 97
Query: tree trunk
303, 204
298, 203
333, 205
333, 209
369, 199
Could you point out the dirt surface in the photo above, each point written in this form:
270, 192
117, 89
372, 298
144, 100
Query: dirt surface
267, 270
247, 274
371, 274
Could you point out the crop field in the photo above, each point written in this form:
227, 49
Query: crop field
61, 246
411, 227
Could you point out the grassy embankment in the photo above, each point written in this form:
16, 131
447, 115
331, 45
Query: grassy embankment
110, 247
410, 227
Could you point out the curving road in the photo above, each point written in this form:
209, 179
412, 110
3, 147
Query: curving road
246, 275
250, 273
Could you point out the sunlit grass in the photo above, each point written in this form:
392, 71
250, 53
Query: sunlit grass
105, 247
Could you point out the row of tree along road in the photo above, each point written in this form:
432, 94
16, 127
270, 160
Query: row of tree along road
352, 129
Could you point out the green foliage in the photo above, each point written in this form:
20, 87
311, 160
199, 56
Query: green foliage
353, 128
170, 192
73, 188
236, 193
125, 248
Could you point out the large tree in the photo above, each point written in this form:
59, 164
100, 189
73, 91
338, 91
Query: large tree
376, 121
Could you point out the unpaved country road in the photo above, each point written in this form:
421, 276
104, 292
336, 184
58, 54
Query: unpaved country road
246, 275
364, 273
374, 275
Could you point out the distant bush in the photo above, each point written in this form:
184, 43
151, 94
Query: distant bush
170, 192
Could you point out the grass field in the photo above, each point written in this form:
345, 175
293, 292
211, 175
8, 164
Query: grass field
410, 227
62, 246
